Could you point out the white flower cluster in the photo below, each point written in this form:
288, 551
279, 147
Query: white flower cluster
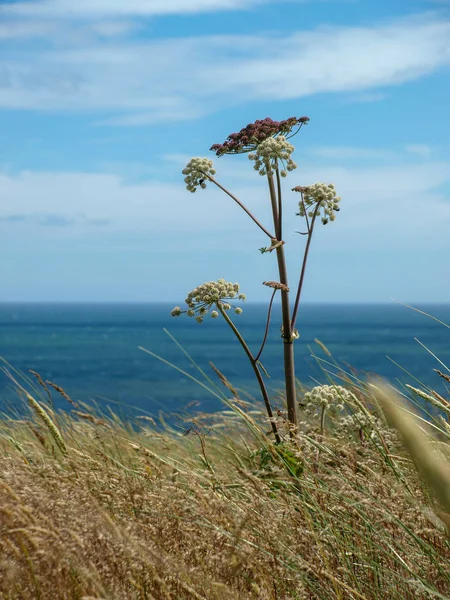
204, 296
196, 171
357, 421
369, 425
323, 195
326, 397
269, 152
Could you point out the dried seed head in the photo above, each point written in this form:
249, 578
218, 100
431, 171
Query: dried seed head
276, 285
248, 138
42, 414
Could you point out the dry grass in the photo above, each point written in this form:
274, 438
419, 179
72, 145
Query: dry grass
219, 513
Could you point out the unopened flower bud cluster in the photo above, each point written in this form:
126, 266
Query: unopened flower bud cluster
294, 334
269, 152
324, 195
203, 297
327, 397
196, 172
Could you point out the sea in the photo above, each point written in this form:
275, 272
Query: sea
136, 359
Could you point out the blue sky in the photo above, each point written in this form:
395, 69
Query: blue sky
103, 102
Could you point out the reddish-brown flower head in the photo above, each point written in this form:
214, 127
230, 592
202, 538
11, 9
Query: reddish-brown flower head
253, 134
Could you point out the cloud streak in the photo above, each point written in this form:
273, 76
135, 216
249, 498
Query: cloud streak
380, 202
66, 9
184, 78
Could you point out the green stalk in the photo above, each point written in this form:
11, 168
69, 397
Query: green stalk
322, 420
303, 270
289, 364
256, 370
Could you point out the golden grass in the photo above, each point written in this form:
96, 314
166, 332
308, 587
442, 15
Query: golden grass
217, 513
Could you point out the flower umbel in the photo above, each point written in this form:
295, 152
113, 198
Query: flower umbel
319, 195
211, 293
197, 171
326, 397
357, 421
272, 151
251, 136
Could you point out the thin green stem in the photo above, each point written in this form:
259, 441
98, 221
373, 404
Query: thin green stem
303, 271
280, 204
256, 370
322, 420
273, 199
289, 365
306, 213
267, 326
244, 208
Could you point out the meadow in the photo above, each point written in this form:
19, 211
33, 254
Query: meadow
213, 508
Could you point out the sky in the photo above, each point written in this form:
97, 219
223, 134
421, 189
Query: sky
103, 102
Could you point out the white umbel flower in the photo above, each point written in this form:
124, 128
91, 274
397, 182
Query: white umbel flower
270, 153
197, 172
322, 196
211, 294
327, 397
357, 421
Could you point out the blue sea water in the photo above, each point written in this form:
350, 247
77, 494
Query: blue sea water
92, 350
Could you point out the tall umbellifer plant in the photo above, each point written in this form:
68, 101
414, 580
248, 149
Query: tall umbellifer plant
266, 143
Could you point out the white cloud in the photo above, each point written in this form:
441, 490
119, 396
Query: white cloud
349, 58
93, 236
397, 206
164, 109
421, 150
150, 207
26, 29
65, 34
182, 78
118, 8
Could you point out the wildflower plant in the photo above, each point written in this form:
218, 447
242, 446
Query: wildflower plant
267, 143
324, 399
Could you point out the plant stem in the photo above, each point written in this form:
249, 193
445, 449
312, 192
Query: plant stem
256, 370
289, 364
280, 205
240, 204
322, 420
273, 200
267, 326
303, 271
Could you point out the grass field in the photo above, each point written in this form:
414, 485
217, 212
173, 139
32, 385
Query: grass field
92, 507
